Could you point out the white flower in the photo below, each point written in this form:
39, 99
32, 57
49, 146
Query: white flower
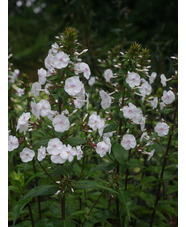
49, 63
94, 121
101, 127
41, 153
133, 79
54, 146
14, 75
162, 105
145, 89
103, 147
79, 152
36, 109
36, 89
144, 136
55, 48
20, 92
73, 85
129, 111
23, 122
79, 102
151, 154
42, 76
12, 143
60, 60
61, 123
168, 97
52, 114
84, 68
163, 80
142, 123
128, 141
108, 74
57, 159
154, 102
45, 107
92, 80
105, 99
27, 155
162, 129
152, 77
68, 153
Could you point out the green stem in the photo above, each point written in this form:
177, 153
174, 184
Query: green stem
48, 173
92, 207
62, 203
31, 215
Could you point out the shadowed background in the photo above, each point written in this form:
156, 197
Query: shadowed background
102, 26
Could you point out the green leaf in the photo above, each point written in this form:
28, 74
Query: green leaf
148, 179
110, 128
85, 184
18, 208
120, 153
171, 211
40, 190
125, 201
75, 141
103, 166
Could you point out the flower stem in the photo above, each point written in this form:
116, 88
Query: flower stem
62, 203
162, 170
92, 207
48, 173
31, 215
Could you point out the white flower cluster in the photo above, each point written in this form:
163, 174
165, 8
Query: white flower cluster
59, 153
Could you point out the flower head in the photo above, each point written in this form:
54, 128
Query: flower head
68, 153
42, 76
168, 97
27, 155
36, 109
128, 141
61, 123
60, 60
20, 91
12, 143
152, 77
133, 79
36, 87
54, 146
105, 99
94, 121
108, 74
162, 129
73, 85
41, 153
45, 107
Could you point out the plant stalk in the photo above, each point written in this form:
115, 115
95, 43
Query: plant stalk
31, 215
62, 203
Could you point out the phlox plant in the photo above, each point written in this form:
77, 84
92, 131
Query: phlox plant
94, 150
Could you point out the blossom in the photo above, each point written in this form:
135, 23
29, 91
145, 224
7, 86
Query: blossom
128, 141
142, 123
94, 121
73, 85
36, 109
144, 136
154, 102
84, 68
168, 97
42, 76
12, 143
60, 60
41, 153
79, 102
20, 92
162, 129
92, 80
23, 122
152, 77
103, 147
14, 75
162, 105
163, 80
133, 79
36, 89
49, 63
44, 107
79, 152
150, 154
55, 48
105, 99
27, 155
54, 146
108, 74
68, 153
57, 159
61, 123
145, 89
101, 127
133, 113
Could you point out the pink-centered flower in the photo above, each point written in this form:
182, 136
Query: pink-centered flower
133, 79
162, 129
61, 123
12, 143
128, 141
60, 60
27, 155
